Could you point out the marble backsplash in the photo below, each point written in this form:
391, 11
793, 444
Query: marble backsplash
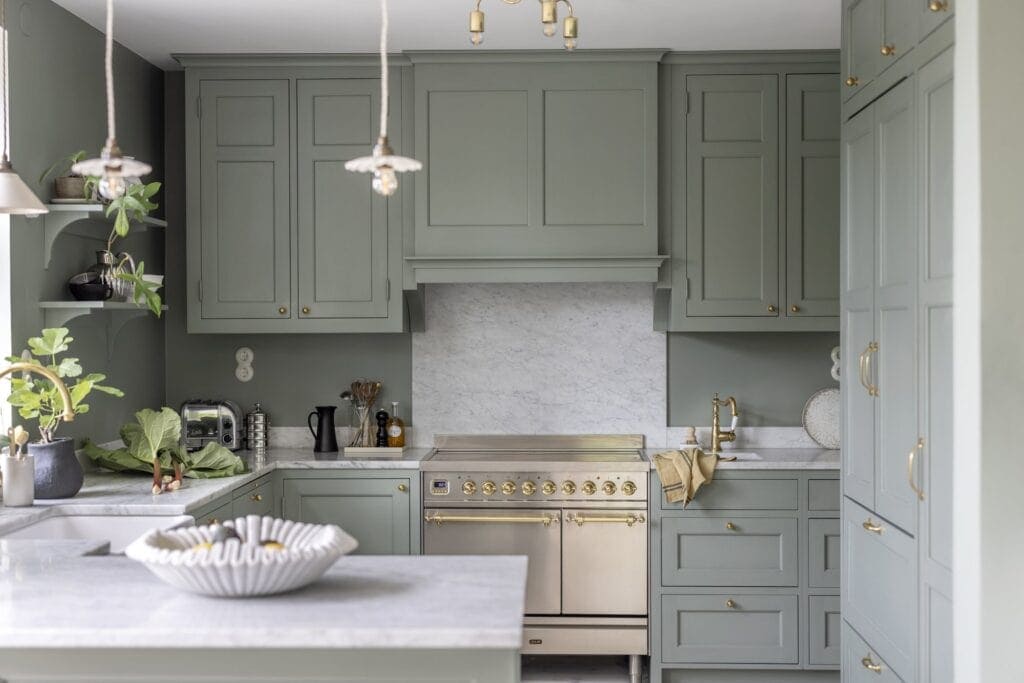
539, 359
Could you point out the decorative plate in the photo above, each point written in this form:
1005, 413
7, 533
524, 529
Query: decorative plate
821, 417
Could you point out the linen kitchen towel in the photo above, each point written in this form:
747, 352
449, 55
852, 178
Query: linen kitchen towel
683, 472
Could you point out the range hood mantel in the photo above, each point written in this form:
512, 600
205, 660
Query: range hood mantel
534, 269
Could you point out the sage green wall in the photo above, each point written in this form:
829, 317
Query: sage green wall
293, 372
58, 107
771, 374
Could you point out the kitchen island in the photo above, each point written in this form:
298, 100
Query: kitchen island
370, 618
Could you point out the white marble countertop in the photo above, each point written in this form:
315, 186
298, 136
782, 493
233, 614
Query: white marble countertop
362, 602
19, 551
774, 459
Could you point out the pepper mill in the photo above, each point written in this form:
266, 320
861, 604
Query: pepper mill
382, 428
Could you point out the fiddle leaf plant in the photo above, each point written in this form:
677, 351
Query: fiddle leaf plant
37, 398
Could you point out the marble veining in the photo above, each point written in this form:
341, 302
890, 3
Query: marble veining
539, 359
361, 602
775, 459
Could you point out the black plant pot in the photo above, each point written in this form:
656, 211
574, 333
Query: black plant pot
58, 472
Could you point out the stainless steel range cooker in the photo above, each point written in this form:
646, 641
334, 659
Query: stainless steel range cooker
576, 506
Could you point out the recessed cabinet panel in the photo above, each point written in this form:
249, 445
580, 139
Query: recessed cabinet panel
729, 629
823, 552
825, 627
733, 116
861, 664
743, 551
595, 139
339, 118
862, 41
244, 121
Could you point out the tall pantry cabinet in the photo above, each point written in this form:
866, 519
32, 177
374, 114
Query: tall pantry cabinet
897, 329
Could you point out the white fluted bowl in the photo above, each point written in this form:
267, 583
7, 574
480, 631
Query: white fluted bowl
239, 568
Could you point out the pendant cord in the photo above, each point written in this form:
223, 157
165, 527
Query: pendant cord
3, 67
108, 63
383, 68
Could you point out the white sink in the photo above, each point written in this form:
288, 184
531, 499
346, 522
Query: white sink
118, 530
739, 456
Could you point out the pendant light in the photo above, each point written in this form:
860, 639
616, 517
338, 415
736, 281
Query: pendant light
15, 196
113, 168
548, 20
383, 162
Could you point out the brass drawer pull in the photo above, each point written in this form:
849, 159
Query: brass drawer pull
628, 520
852, 81
437, 519
730, 603
888, 50
730, 526
870, 665
938, 6
919, 448
872, 527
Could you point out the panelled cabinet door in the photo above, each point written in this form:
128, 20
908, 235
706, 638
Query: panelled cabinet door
342, 223
862, 40
244, 206
732, 170
857, 322
899, 31
376, 512
933, 468
812, 195
895, 372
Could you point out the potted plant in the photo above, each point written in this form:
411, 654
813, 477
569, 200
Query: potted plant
67, 185
58, 474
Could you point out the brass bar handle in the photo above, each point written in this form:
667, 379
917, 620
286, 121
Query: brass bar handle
870, 665
628, 520
919, 448
863, 368
546, 520
872, 527
872, 387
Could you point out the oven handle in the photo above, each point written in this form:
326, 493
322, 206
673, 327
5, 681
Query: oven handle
629, 520
440, 519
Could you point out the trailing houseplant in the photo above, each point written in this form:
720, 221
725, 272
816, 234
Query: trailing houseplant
68, 185
58, 472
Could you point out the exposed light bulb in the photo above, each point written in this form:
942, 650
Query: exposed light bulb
385, 182
570, 43
550, 28
112, 185
476, 37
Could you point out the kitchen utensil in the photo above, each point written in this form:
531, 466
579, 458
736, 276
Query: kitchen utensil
325, 440
382, 428
188, 558
821, 417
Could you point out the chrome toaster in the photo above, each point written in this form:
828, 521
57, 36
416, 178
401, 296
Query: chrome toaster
216, 421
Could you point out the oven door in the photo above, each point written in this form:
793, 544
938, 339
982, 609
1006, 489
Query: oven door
534, 533
604, 562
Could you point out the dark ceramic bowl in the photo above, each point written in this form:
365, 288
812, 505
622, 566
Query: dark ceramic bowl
85, 287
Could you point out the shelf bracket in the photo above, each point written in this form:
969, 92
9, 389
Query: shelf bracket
114, 320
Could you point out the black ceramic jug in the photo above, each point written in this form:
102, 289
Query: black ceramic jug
325, 440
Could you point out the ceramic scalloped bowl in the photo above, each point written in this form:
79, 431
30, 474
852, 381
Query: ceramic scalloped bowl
242, 568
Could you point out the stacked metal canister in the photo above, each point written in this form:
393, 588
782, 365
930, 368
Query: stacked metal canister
257, 434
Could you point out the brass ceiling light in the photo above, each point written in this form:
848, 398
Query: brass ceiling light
548, 18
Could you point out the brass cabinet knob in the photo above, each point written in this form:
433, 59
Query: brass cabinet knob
568, 487
872, 527
469, 488
888, 50
212, 520
548, 487
852, 81
508, 487
730, 603
629, 488
938, 6
403, 488
282, 310
730, 526
772, 308
305, 310
870, 665
794, 309
488, 487
529, 488
589, 487
256, 498
608, 488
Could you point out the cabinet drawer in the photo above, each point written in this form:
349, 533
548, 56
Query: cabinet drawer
741, 551
743, 494
729, 629
823, 551
861, 664
825, 625
880, 585
217, 515
255, 500
823, 495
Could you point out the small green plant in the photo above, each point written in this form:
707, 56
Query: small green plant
38, 399
64, 165
145, 292
133, 205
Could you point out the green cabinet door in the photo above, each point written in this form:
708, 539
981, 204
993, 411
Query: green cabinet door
732, 195
376, 511
243, 235
932, 14
861, 43
342, 223
899, 31
812, 195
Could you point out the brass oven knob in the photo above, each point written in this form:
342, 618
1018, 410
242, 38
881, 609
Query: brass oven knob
608, 488
568, 487
629, 488
529, 488
469, 488
508, 487
548, 487
589, 487
488, 488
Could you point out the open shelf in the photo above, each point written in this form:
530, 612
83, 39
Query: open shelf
63, 216
117, 313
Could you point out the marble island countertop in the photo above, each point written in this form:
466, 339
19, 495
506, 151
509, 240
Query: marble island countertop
376, 602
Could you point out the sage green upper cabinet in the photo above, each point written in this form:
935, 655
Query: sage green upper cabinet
933, 13
862, 40
243, 247
536, 167
732, 228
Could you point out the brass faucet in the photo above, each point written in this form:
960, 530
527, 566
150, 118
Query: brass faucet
69, 412
718, 435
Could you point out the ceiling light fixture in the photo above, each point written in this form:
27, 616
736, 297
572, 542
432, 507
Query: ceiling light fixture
114, 169
15, 196
383, 162
548, 18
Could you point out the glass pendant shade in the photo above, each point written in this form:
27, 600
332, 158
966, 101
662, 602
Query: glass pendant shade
15, 196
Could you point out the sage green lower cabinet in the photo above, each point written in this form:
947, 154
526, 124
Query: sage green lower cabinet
255, 498
378, 508
734, 593
220, 510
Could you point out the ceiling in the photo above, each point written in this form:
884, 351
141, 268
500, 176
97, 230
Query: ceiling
156, 29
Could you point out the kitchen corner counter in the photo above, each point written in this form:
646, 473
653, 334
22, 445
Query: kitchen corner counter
773, 459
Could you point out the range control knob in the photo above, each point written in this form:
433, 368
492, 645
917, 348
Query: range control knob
529, 488
488, 487
589, 487
548, 487
469, 488
508, 487
629, 488
608, 488
568, 487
